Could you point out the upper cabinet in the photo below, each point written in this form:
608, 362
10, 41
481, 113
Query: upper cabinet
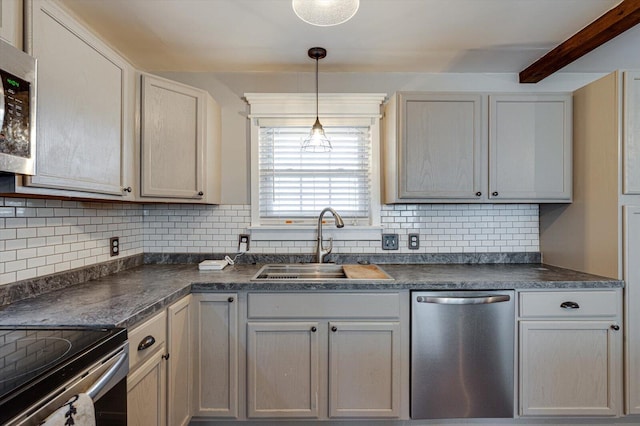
82, 109
86, 121
530, 148
631, 133
179, 142
84, 128
434, 147
11, 22
469, 147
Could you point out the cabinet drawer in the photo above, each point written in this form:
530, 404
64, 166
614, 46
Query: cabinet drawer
570, 304
319, 305
155, 327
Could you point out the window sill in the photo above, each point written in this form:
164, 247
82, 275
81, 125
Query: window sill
308, 233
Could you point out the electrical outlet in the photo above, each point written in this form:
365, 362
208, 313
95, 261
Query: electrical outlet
389, 241
414, 241
114, 246
243, 243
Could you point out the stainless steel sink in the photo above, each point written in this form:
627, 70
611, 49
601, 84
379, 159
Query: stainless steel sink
310, 272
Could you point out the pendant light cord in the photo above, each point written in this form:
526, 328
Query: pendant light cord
317, 113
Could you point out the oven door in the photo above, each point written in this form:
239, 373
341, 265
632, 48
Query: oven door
105, 382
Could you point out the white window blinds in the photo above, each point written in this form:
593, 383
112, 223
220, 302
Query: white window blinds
297, 184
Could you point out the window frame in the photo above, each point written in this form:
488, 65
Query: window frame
298, 109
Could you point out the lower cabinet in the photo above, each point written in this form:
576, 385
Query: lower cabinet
570, 353
325, 355
283, 372
179, 362
160, 359
146, 402
215, 343
364, 369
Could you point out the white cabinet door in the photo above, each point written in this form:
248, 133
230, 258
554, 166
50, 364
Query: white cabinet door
440, 143
172, 129
631, 132
216, 355
530, 147
11, 22
179, 383
283, 372
364, 369
569, 368
632, 311
146, 404
82, 106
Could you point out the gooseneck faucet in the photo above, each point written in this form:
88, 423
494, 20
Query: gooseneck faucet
321, 251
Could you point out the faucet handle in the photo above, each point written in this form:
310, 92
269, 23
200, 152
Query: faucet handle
330, 245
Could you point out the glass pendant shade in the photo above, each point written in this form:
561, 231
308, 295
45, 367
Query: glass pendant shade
325, 13
317, 140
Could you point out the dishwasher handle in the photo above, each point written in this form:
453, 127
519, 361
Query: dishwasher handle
464, 300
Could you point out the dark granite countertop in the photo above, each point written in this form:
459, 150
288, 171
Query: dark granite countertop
128, 297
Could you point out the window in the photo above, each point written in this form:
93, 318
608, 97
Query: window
295, 184
290, 187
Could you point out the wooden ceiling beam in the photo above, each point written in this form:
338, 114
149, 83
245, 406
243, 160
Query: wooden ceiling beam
613, 23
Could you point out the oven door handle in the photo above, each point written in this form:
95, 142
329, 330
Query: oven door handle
95, 390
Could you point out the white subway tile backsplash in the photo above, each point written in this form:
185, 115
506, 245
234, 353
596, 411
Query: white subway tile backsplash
39, 237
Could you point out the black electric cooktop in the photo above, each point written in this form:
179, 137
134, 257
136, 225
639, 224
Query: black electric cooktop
35, 361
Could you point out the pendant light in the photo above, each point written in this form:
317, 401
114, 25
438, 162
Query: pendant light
325, 13
317, 140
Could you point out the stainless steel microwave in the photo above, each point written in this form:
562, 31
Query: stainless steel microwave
17, 111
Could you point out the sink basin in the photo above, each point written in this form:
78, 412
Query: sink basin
319, 272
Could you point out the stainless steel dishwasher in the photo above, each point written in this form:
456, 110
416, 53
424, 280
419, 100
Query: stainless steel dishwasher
462, 354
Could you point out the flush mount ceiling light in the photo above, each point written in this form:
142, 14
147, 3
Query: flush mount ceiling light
325, 13
317, 140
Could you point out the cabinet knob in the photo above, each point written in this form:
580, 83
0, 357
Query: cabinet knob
127, 189
478, 194
146, 343
615, 327
569, 305
313, 329
494, 193
200, 193
334, 328
230, 300
166, 356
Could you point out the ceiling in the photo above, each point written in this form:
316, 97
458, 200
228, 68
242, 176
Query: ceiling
384, 36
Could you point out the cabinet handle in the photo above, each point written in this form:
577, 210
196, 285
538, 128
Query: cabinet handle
569, 305
146, 343
494, 193
127, 189
230, 300
334, 328
313, 329
478, 194
615, 327
165, 356
200, 193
